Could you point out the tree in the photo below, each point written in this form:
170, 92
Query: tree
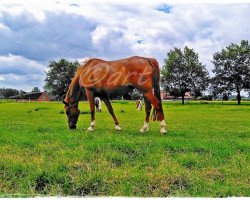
232, 69
58, 77
35, 89
182, 72
8, 92
136, 94
22, 93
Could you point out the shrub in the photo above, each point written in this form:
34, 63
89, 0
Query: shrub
123, 102
85, 112
206, 97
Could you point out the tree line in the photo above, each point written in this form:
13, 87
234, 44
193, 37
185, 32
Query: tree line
182, 72
6, 93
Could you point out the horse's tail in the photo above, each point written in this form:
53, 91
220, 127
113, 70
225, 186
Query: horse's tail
155, 84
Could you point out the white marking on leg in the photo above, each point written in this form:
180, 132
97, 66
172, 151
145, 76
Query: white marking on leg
92, 126
100, 108
163, 126
144, 128
118, 128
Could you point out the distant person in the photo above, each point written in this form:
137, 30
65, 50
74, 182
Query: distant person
98, 104
139, 104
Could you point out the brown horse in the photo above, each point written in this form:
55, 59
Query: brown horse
103, 78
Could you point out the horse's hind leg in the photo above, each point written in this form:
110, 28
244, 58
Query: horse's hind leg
158, 109
111, 111
147, 109
91, 100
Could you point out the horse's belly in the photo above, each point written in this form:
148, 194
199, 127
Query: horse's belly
121, 90
117, 91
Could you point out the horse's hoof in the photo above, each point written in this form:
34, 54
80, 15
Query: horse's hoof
90, 129
163, 132
144, 130
118, 128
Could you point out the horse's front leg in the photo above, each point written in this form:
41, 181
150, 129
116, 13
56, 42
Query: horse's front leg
91, 100
111, 111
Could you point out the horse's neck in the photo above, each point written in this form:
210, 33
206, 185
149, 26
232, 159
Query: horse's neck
73, 93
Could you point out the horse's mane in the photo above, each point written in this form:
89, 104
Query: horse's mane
76, 76
82, 65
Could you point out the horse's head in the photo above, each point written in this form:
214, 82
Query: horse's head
72, 114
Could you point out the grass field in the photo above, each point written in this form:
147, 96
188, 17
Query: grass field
205, 153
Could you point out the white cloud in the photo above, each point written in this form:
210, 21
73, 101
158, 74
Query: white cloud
21, 73
19, 65
22, 82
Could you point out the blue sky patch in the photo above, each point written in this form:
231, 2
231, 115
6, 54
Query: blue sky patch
140, 41
164, 8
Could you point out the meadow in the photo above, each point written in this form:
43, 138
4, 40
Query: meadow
204, 154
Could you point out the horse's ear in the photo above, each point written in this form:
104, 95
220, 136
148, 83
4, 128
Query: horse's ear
65, 102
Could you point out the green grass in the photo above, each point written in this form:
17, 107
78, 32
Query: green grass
205, 153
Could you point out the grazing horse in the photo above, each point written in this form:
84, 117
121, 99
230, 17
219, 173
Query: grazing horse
98, 104
103, 78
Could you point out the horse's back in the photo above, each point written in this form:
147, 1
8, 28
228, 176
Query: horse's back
118, 75
134, 60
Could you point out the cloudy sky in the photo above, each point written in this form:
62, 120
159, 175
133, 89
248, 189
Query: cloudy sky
32, 33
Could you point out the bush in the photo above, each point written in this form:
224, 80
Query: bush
136, 94
123, 102
206, 97
85, 112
